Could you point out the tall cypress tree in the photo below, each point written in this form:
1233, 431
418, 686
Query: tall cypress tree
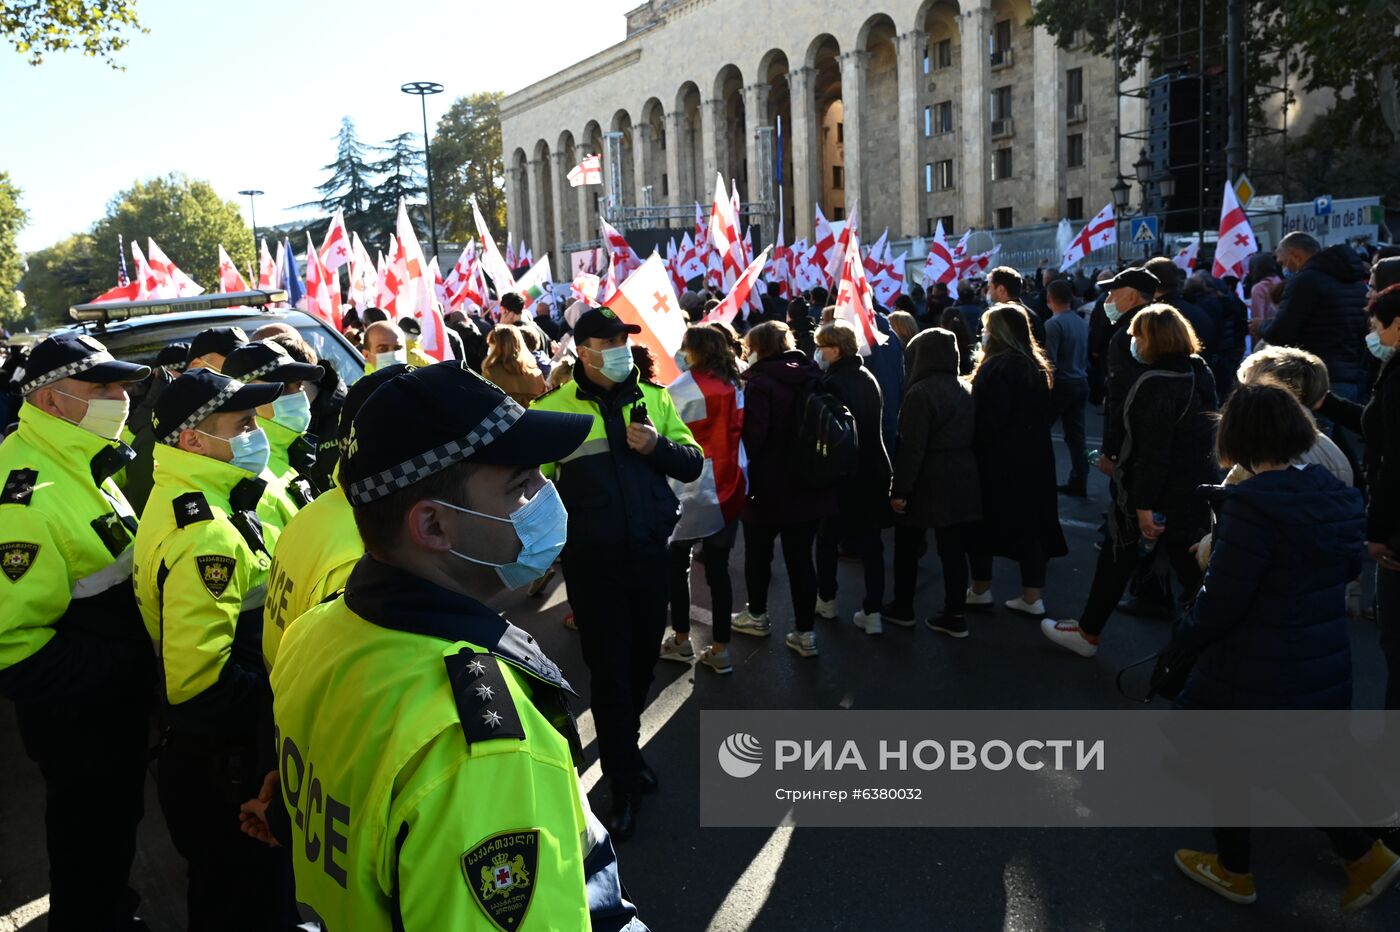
401, 176
350, 187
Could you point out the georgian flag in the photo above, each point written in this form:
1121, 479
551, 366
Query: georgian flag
647, 300
889, 284
691, 265
335, 248
1236, 242
623, 256
738, 296
229, 279
939, 266
168, 271
1097, 233
319, 300
849, 232
853, 302
267, 267
1186, 258
492, 263
589, 171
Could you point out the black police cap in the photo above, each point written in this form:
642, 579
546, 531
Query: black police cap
265, 361
1136, 278
359, 393
218, 340
410, 326
74, 356
198, 393
601, 322
173, 355
433, 418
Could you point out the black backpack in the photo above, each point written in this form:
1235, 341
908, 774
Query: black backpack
827, 451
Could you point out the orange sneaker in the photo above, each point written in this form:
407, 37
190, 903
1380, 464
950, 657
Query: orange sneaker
1205, 869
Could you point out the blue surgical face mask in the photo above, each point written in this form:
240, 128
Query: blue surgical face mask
1133, 348
542, 526
819, 358
1111, 309
1377, 348
616, 363
251, 451
293, 411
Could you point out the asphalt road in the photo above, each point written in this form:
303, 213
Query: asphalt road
690, 879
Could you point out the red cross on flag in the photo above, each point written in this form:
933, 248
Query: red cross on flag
1236, 242
624, 257
738, 296
267, 267
853, 299
589, 171
939, 267
229, 279
492, 262
647, 300
850, 231
1097, 233
724, 233
319, 299
691, 263
1186, 258
335, 248
169, 272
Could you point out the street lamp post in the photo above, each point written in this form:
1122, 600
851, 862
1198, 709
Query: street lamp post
422, 89
250, 194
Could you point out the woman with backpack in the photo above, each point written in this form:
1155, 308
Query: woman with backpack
708, 398
1015, 460
781, 502
864, 499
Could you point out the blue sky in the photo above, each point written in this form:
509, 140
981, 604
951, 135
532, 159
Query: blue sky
249, 94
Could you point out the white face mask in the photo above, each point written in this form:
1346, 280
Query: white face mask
385, 360
105, 417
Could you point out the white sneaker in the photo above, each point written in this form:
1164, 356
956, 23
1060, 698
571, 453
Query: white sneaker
680, 651
804, 642
826, 608
1019, 605
756, 625
869, 622
1067, 634
978, 599
716, 660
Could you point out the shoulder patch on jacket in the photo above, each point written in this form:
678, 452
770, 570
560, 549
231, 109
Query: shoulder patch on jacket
500, 871
191, 508
484, 703
19, 487
216, 572
17, 557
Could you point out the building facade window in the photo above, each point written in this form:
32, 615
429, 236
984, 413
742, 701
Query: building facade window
665, 185
1001, 163
947, 221
841, 131
1074, 150
1074, 88
943, 54
1004, 220
943, 175
943, 118
1001, 103
928, 177
838, 213
1074, 208
1001, 36
838, 177
928, 122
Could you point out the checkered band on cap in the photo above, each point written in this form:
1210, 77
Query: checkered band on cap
423, 465
228, 391
63, 372
264, 369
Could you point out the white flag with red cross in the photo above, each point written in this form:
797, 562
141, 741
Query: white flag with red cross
267, 267
1097, 233
673, 266
724, 234
492, 262
738, 296
1236, 242
585, 288
457, 277
589, 171
939, 266
850, 231
152, 284
889, 283
336, 247
229, 278
690, 263
853, 299
1185, 258
623, 256
319, 300
647, 300
416, 297
168, 271
823, 242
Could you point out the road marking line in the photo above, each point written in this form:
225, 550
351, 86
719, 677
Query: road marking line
750, 892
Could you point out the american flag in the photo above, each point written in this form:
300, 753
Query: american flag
122, 278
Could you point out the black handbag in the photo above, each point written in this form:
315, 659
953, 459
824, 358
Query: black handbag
1171, 666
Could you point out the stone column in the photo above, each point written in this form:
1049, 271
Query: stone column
854, 67
755, 115
556, 196
514, 214
1049, 113
539, 239
675, 135
711, 139
806, 155
585, 193
641, 156
909, 50
976, 88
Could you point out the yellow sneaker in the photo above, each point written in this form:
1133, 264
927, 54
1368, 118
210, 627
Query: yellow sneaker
1205, 869
1368, 877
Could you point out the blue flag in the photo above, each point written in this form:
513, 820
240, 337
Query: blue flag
296, 291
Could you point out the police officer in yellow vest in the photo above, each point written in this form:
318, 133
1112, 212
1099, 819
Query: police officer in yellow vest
73, 655
320, 545
291, 454
201, 579
623, 511
427, 753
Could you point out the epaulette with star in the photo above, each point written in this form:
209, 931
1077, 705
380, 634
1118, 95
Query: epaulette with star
484, 703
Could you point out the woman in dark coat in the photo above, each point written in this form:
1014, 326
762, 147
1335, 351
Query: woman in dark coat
1379, 423
1165, 458
779, 504
935, 479
1269, 626
865, 499
1015, 461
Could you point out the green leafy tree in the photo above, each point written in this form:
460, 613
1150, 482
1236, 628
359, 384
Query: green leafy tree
12, 220
467, 161
401, 176
69, 272
350, 186
98, 28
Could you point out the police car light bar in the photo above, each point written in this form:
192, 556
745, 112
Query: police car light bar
108, 311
